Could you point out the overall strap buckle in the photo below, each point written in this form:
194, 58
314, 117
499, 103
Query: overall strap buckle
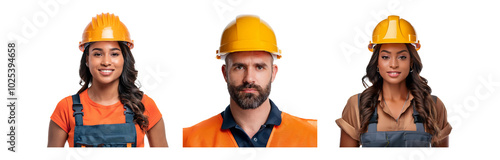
416, 117
372, 125
374, 118
129, 114
77, 108
418, 120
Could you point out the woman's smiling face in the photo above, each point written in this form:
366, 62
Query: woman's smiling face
105, 62
394, 62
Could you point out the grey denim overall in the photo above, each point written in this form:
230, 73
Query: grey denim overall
374, 138
104, 135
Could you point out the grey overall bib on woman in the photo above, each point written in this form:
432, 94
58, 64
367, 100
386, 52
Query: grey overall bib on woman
104, 135
374, 138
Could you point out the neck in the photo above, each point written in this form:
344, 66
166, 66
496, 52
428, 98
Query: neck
394, 91
250, 119
105, 94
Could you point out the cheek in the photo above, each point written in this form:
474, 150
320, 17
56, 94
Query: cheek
405, 65
92, 63
267, 75
382, 64
119, 62
263, 77
234, 77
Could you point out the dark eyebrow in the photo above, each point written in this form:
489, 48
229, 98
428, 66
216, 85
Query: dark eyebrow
238, 64
261, 64
385, 51
402, 51
256, 64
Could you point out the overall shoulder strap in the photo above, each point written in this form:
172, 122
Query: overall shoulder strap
434, 98
77, 108
418, 120
129, 115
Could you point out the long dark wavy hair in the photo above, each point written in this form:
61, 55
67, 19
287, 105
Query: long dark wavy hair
128, 91
415, 83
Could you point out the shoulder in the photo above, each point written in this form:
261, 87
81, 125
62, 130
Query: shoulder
147, 99
351, 107
353, 100
439, 102
439, 105
151, 110
440, 110
298, 123
208, 133
349, 122
65, 103
209, 125
442, 119
148, 102
63, 113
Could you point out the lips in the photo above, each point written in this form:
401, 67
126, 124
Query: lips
249, 90
393, 74
106, 72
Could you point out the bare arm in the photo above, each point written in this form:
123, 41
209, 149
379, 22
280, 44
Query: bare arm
156, 135
347, 141
57, 136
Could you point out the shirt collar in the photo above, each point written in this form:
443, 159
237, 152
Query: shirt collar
386, 109
274, 117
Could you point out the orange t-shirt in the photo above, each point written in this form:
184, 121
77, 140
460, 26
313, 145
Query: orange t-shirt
95, 114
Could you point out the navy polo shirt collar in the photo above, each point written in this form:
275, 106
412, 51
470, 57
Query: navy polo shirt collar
274, 117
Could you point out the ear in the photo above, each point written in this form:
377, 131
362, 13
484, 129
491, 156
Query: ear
224, 72
275, 70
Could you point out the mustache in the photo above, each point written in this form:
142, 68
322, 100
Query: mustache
249, 85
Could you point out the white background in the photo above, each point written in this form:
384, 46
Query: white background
325, 54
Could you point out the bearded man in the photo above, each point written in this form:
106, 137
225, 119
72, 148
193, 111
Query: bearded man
248, 47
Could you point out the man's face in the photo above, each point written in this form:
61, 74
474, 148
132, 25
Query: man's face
249, 75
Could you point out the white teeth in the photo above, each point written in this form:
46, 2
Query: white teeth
106, 71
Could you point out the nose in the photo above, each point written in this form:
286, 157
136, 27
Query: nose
249, 76
106, 60
394, 63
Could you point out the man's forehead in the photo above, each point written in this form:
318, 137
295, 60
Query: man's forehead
245, 56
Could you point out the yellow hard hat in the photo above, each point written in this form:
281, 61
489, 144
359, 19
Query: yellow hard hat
105, 27
248, 33
394, 30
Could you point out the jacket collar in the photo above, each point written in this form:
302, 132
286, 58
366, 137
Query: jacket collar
274, 117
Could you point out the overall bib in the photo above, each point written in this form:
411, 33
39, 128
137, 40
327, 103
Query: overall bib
374, 138
104, 135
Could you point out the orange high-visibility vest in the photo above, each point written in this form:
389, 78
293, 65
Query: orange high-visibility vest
292, 132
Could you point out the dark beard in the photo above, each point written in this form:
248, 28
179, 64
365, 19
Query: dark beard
249, 100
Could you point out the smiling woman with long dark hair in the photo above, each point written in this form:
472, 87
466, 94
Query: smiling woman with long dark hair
109, 110
397, 110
